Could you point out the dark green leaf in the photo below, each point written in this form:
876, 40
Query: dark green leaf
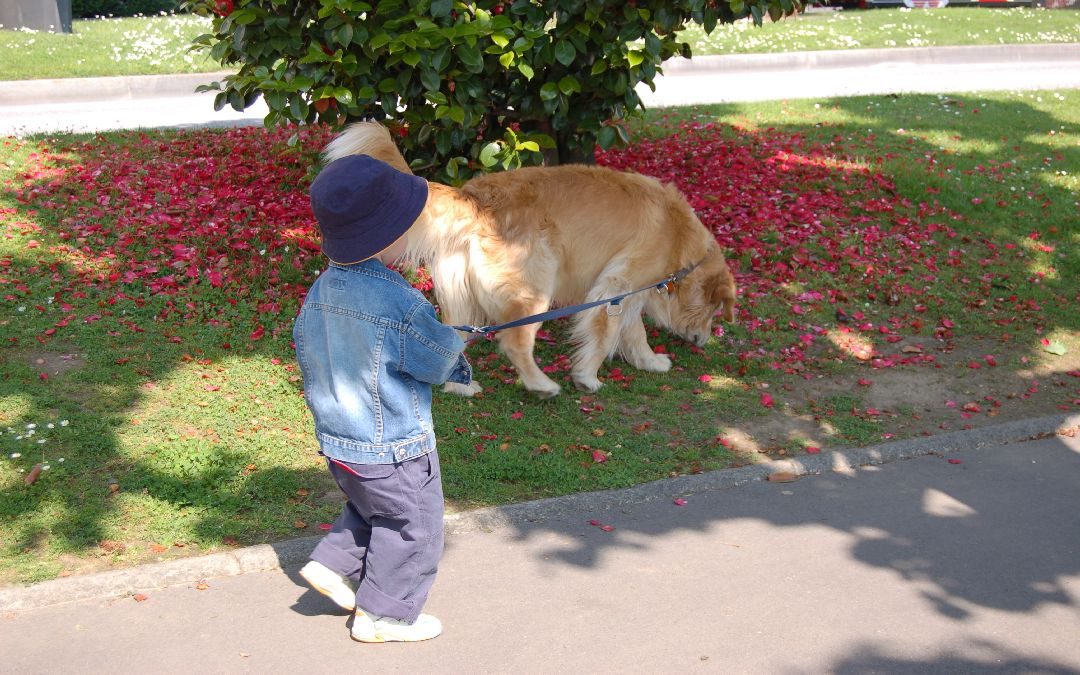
565, 52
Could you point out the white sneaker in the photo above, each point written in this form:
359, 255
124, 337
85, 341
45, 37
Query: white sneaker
367, 628
330, 583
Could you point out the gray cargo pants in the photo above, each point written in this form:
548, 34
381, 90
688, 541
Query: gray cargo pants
389, 537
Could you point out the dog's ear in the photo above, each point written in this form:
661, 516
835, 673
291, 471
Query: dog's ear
729, 310
722, 293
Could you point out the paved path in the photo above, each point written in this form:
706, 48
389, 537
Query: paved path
958, 561
131, 102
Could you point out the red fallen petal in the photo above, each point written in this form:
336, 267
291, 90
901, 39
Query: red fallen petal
812, 449
705, 378
211, 387
258, 333
43, 376
517, 415
865, 382
767, 400
950, 404
33, 475
325, 527
679, 502
599, 457
955, 461
661, 349
460, 430
990, 360
607, 528
974, 365
595, 523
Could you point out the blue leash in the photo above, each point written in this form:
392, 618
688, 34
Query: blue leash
664, 285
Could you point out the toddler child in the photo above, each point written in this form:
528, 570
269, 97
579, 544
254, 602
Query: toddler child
370, 348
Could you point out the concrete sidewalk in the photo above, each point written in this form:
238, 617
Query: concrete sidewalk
964, 558
97, 104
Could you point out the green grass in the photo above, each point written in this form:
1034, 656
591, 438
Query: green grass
207, 438
159, 45
885, 28
156, 45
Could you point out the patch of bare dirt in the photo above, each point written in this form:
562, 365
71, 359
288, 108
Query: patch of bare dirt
54, 363
959, 391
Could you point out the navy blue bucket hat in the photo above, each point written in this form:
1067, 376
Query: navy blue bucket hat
364, 205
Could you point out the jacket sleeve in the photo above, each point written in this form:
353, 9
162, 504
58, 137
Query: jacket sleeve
433, 350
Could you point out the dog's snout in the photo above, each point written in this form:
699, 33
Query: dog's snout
697, 337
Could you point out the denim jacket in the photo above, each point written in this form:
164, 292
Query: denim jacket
370, 348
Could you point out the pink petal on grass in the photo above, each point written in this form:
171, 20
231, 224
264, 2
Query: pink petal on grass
767, 400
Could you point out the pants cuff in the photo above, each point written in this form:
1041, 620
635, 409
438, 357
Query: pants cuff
373, 601
341, 562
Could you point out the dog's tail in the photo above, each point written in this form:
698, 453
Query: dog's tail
366, 138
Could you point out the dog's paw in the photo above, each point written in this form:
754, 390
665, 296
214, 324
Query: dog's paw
655, 363
588, 383
547, 391
467, 390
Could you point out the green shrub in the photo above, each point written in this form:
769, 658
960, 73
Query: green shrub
88, 9
472, 84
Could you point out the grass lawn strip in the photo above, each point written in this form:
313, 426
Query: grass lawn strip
160, 45
907, 266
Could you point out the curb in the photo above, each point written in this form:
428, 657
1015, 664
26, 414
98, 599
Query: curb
267, 557
861, 58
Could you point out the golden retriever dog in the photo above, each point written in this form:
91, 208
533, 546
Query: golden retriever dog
512, 244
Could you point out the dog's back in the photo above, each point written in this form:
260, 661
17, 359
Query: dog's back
591, 215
